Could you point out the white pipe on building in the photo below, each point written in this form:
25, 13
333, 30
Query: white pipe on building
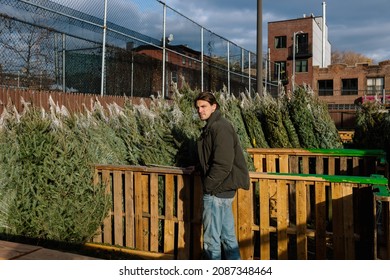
323, 34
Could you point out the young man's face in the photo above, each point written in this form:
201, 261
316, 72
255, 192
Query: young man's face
205, 109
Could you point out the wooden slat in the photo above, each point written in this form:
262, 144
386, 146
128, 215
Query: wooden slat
283, 163
305, 165
332, 166
196, 229
386, 228
271, 163
244, 223
294, 164
320, 222
319, 165
282, 208
349, 239
118, 207
376, 231
355, 166
332, 171
343, 166
305, 152
145, 169
292, 202
338, 221
145, 209
107, 224
258, 162
301, 220
306, 170
183, 217
154, 212
129, 209
139, 227
169, 225
96, 181
265, 240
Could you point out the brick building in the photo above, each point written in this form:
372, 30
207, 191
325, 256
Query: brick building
182, 64
303, 43
343, 87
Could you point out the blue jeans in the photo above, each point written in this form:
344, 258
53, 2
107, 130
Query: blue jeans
218, 229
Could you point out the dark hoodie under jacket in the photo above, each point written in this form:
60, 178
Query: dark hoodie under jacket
222, 163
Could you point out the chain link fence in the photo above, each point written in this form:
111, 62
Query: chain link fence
128, 48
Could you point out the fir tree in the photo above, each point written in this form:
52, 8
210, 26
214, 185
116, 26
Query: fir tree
303, 119
51, 176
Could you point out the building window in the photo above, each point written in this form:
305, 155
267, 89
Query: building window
280, 70
183, 60
342, 106
174, 77
325, 87
349, 87
280, 42
302, 44
375, 86
301, 65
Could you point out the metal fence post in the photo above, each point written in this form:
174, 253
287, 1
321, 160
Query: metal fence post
164, 50
228, 64
104, 49
63, 63
201, 60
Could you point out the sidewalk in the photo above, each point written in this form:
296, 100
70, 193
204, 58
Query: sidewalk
18, 251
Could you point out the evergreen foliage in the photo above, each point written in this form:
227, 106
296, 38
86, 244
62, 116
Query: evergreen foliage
324, 127
186, 127
46, 158
158, 145
230, 107
372, 127
313, 124
271, 118
303, 119
51, 178
288, 124
124, 124
105, 147
252, 122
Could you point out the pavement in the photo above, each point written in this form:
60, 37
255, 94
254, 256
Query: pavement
19, 251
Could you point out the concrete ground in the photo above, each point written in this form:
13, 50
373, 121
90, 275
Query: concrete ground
19, 251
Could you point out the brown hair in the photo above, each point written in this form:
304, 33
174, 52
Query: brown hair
206, 96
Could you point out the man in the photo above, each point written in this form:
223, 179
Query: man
223, 169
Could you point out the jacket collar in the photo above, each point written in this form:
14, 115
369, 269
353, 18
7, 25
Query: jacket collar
213, 117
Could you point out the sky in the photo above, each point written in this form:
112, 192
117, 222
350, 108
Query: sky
362, 27
358, 26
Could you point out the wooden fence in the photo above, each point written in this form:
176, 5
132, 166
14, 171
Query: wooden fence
159, 209
351, 162
73, 102
320, 161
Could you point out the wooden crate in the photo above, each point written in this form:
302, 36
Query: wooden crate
159, 210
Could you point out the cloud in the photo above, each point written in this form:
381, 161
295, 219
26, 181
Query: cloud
358, 26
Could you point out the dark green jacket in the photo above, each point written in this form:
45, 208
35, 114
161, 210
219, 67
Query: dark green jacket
221, 159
